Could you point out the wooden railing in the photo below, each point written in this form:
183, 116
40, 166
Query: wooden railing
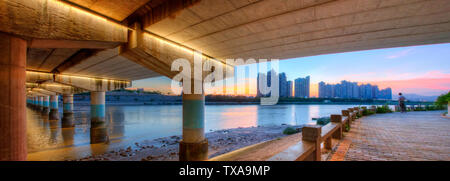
298, 147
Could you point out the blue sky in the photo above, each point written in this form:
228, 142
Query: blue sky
423, 70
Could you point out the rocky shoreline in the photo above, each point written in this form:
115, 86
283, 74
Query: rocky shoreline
166, 149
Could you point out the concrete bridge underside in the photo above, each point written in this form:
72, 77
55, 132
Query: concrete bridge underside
74, 46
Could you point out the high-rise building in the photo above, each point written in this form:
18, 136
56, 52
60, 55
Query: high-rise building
323, 90
283, 85
355, 90
302, 87
326, 90
289, 88
385, 94
258, 91
348, 89
375, 91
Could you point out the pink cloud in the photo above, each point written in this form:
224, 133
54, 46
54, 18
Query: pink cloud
419, 85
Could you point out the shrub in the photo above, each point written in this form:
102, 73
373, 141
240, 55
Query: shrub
367, 112
430, 108
384, 109
440, 107
289, 131
347, 128
419, 109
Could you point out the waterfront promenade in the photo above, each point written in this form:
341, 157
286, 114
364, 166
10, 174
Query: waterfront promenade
413, 136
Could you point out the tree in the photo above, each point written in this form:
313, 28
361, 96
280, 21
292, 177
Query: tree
443, 99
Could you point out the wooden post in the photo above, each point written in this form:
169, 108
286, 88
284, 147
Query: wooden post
352, 113
336, 118
328, 143
313, 133
347, 113
374, 109
358, 111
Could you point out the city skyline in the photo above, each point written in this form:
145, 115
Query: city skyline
300, 88
422, 70
355, 90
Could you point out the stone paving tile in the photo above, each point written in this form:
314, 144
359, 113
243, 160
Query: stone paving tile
341, 151
388, 137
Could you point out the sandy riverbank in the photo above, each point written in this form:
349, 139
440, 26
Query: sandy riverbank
166, 149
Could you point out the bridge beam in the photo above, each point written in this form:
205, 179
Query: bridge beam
79, 83
43, 91
157, 54
13, 135
60, 88
92, 84
67, 27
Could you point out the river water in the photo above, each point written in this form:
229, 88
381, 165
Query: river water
129, 124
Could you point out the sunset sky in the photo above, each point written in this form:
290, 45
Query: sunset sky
423, 70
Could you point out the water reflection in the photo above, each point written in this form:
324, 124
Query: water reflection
128, 124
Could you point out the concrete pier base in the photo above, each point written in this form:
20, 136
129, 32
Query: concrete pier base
194, 151
45, 106
99, 134
99, 131
67, 120
194, 145
54, 113
13, 135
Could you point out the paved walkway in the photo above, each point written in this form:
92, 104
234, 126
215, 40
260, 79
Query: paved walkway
396, 136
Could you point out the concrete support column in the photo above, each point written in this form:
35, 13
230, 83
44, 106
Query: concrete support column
68, 119
98, 128
13, 135
30, 101
33, 102
45, 105
194, 145
40, 103
54, 113
36, 101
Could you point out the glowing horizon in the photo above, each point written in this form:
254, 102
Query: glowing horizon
422, 70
